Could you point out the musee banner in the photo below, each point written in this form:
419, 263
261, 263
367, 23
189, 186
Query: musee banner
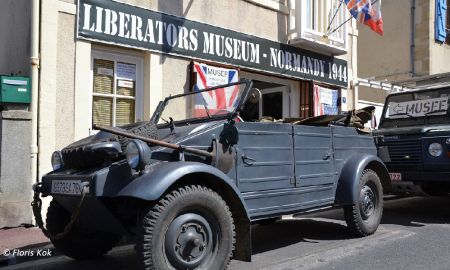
130, 26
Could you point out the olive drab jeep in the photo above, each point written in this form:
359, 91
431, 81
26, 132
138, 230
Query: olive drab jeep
189, 183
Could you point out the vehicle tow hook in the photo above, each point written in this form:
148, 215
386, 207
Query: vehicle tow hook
36, 205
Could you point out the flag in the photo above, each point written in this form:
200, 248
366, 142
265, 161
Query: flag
367, 12
325, 101
216, 101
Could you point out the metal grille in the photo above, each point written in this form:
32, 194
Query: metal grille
405, 151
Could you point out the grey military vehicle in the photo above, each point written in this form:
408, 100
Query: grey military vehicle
414, 140
189, 184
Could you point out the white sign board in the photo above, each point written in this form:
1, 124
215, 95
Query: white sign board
418, 108
326, 96
126, 71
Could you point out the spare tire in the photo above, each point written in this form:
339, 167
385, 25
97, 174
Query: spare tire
145, 129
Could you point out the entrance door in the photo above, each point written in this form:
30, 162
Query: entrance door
274, 103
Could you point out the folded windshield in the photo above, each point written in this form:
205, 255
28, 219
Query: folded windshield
218, 101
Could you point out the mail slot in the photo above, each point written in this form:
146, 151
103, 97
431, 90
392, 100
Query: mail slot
15, 89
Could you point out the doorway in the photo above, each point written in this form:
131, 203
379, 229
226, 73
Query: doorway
274, 102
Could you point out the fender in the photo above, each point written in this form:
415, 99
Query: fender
347, 191
160, 177
153, 184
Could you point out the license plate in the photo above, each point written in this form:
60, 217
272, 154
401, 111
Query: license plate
395, 177
70, 187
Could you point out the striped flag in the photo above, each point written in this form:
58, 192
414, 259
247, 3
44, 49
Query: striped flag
325, 101
218, 101
367, 12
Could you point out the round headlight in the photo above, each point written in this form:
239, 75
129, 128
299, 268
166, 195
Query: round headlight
447, 141
435, 149
132, 153
57, 160
138, 154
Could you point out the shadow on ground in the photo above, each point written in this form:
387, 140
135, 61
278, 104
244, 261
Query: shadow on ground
292, 231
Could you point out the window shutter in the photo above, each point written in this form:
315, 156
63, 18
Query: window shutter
440, 21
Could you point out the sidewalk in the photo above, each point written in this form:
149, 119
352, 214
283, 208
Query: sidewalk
23, 239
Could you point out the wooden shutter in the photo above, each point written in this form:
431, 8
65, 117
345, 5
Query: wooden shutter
440, 20
448, 22
306, 99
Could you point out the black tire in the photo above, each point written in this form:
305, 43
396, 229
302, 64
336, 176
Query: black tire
364, 217
145, 129
189, 228
78, 244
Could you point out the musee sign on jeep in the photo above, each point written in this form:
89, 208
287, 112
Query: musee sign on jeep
414, 140
189, 183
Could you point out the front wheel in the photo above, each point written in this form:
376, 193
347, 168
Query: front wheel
78, 243
190, 228
364, 216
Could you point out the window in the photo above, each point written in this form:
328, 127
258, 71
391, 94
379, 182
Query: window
116, 88
319, 24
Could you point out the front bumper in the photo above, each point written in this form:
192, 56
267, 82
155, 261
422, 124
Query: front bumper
102, 182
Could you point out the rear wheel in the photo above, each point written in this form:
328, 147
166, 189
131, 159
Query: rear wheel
78, 243
364, 216
190, 228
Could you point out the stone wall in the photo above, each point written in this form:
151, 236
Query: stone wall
15, 178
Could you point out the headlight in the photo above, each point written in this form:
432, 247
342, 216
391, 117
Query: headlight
447, 141
435, 149
138, 154
57, 160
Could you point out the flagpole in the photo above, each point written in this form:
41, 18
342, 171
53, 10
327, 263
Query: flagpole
334, 15
337, 28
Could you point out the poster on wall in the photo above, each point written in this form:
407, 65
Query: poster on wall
325, 101
219, 101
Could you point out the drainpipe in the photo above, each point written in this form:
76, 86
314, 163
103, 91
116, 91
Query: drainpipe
413, 38
34, 61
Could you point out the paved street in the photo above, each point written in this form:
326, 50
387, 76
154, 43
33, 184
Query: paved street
414, 235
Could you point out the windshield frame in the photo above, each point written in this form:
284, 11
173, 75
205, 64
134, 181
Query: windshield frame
159, 110
423, 120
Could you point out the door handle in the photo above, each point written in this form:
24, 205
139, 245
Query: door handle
246, 160
327, 156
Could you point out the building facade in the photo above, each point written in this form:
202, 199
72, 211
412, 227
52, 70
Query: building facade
110, 63
415, 47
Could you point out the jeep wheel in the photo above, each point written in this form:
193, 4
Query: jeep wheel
78, 244
190, 228
364, 217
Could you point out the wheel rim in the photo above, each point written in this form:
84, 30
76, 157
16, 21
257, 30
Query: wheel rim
189, 241
368, 202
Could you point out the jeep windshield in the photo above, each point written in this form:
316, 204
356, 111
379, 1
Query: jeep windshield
215, 102
425, 107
